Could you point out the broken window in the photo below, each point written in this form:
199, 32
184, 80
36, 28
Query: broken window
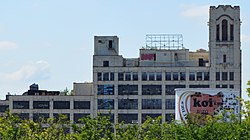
105, 89
105, 103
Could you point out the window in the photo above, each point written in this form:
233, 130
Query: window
182, 76
128, 118
191, 76
110, 116
169, 118
110, 44
206, 76
61, 105
224, 86
81, 104
199, 86
201, 62
135, 76
105, 76
224, 30
105, 63
151, 89
151, 104
112, 76
120, 76
217, 86
231, 32
40, 117
218, 32
175, 76
224, 58
20, 104
231, 76
217, 76
153, 116
168, 76
199, 76
105, 103
105, 89
127, 104
170, 88
231, 86
99, 76
170, 103
127, 89
151, 76
144, 76
78, 116
224, 76
158, 76
40, 104
4, 108
128, 76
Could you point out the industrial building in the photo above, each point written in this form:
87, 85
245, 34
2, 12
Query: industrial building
132, 88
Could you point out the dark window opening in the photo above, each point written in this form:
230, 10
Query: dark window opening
217, 86
151, 104
105, 63
231, 86
224, 76
105, 103
120, 76
110, 44
176, 76
135, 76
170, 103
224, 86
105, 89
206, 76
99, 76
168, 76
191, 76
217, 76
144, 76
128, 76
112, 76
151, 76
224, 30
151, 89
231, 76
158, 76
81, 104
199, 76
198, 86
22, 116
127, 104
218, 32
4, 108
105, 76
61, 105
40, 117
40, 104
224, 58
109, 116
169, 118
201, 62
62, 116
231, 32
128, 118
20, 104
127, 90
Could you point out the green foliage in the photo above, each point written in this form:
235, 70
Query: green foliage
100, 128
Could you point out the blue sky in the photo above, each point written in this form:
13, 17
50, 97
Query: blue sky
51, 42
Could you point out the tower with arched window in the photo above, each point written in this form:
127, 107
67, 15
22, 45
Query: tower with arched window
224, 45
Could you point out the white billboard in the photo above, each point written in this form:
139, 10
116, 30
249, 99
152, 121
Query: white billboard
205, 102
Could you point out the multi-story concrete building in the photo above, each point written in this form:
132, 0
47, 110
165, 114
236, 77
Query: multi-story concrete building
132, 88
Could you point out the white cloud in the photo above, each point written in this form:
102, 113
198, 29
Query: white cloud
245, 38
38, 70
7, 45
194, 11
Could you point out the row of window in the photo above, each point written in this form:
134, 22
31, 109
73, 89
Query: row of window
152, 76
46, 105
133, 104
224, 76
169, 76
126, 118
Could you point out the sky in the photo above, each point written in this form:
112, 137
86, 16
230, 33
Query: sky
50, 42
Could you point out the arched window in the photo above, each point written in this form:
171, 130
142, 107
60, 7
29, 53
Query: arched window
224, 30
